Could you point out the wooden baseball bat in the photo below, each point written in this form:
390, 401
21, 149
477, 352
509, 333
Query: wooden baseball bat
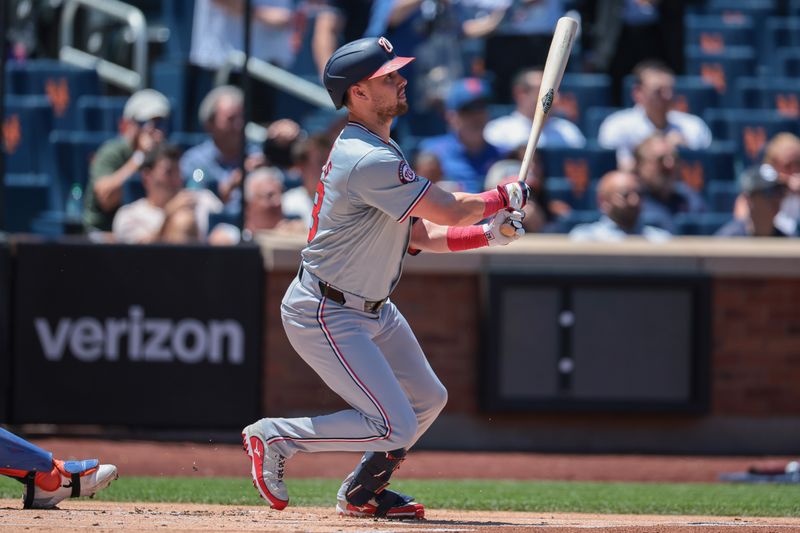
557, 56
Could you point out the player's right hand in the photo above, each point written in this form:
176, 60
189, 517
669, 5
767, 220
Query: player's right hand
514, 194
511, 219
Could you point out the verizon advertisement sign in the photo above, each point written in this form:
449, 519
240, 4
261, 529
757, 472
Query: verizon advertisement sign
151, 336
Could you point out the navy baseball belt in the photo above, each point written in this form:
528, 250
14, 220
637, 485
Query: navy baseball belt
335, 295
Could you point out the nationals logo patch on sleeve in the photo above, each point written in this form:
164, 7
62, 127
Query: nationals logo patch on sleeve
406, 173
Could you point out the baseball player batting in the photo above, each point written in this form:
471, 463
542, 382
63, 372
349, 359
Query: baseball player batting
370, 210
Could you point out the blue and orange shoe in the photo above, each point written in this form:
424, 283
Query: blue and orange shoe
267, 467
68, 479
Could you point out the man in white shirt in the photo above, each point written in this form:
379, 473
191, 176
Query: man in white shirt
512, 131
619, 199
168, 212
309, 157
653, 95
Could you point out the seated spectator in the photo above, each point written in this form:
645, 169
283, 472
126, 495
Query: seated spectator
48, 481
783, 154
262, 191
619, 200
309, 156
427, 164
142, 129
663, 193
217, 161
168, 212
653, 94
464, 154
512, 131
763, 191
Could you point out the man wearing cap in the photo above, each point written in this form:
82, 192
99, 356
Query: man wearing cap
464, 153
764, 192
142, 128
371, 209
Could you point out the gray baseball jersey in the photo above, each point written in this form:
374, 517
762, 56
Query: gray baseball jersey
360, 226
367, 355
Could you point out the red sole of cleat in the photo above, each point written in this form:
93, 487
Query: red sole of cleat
409, 512
256, 468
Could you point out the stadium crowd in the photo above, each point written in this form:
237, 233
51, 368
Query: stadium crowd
674, 118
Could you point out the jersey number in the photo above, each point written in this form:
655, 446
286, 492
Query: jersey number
318, 202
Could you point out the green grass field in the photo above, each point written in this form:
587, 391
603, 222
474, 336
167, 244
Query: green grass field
532, 496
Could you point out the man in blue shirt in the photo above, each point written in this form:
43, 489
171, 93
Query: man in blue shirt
464, 154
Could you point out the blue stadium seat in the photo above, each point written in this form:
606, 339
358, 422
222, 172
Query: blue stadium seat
722, 195
172, 79
579, 92
722, 69
758, 10
594, 116
693, 94
781, 32
579, 165
786, 62
62, 84
749, 129
26, 125
713, 33
185, 140
26, 195
132, 189
699, 168
100, 113
575, 217
564, 189
779, 94
500, 110
698, 224
74, 151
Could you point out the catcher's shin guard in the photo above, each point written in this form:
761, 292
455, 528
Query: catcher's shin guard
372, 475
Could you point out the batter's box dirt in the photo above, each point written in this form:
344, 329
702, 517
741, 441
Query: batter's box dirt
96, 516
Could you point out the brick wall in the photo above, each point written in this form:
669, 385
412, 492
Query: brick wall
755, 372
755, 360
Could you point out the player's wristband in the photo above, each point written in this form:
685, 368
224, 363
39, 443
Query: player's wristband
492, 202
466, 238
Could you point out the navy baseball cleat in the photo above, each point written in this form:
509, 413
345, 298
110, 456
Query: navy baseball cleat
266, 467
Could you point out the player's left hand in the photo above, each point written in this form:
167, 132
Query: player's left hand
512, 219
514, 194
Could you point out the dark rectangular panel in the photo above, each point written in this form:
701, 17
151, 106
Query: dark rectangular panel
156, 336
529, 344
632, 343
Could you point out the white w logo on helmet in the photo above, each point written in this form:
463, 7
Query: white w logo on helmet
385, 44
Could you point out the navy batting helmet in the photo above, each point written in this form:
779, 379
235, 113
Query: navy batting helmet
358, 60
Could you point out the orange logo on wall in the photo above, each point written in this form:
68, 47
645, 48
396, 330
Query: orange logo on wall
787, 105
567, 106
58, 94
577, 172
754, 138
713, 74
692, 174
712, 42
12, 134
679, 103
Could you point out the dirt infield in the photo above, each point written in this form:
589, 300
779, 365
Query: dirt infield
191, 459
106, 516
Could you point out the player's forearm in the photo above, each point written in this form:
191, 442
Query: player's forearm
429, 237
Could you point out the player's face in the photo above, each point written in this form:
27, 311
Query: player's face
388, 95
